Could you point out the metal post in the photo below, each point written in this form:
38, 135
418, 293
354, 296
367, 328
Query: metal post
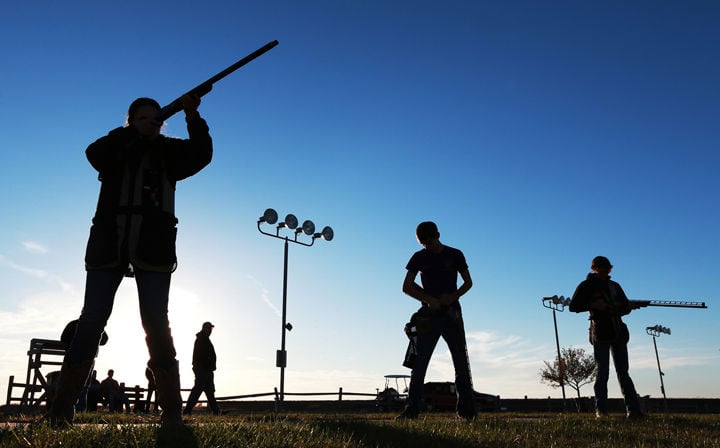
308, 228
561, 365
283, 364
655, 332
660, 372
556, 303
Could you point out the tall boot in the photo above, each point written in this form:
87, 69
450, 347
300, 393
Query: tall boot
167, 383
71, 381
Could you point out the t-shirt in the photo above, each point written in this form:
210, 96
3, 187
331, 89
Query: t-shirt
438, 271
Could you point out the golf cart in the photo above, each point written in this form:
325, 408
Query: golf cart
390, 399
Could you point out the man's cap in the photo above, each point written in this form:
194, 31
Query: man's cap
601, 262
140, 102
208, 324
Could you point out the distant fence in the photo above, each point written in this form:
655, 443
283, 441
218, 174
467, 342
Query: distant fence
276, 394
136, 395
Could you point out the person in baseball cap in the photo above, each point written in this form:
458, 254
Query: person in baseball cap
204, 364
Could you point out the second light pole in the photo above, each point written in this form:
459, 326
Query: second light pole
655, 332
308, 228
556, 303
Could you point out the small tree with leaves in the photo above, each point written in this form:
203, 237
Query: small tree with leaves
575, 367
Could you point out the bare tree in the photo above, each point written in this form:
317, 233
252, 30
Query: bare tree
575, 367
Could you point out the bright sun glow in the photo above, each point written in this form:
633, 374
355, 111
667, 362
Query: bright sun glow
126, 350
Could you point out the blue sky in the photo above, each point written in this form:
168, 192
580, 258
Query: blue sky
536, 134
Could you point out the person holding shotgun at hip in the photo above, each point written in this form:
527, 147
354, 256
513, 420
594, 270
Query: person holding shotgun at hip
133, 233
606, 303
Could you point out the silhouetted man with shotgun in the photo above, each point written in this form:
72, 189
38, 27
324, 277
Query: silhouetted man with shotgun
133, 233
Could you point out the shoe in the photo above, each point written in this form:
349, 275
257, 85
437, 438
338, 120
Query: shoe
599, 414
636, 415
466, 416
407, 414
167, 381
69, 384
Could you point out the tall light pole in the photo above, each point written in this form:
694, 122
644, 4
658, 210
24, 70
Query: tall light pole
556, 303
308, 228
655, 332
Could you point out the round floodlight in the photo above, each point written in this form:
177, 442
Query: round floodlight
270, 216
291, 221
327, 233
308, 227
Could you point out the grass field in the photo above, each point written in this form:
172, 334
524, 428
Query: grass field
373, 430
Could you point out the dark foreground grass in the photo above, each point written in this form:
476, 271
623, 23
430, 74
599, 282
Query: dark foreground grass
375, 430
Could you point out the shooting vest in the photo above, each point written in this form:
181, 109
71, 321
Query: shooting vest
142, 233
608, 327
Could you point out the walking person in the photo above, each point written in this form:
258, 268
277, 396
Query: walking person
606, 303
133, 233
204, 365
440, 315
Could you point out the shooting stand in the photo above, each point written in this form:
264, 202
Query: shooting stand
42, 352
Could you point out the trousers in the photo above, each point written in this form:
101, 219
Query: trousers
204, 382
449, 326
153, 296
619, 351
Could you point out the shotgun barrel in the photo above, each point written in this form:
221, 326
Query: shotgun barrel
200, 90
668, 303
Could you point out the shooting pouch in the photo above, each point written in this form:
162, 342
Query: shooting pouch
410, 354
152, 242
419, 324
609, 331
422, 322
102, 247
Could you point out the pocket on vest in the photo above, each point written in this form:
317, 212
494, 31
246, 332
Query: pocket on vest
102, 247
156, 242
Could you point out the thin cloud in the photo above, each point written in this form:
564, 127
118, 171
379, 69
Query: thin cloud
33, 272
264, 295
39, 274
35, 247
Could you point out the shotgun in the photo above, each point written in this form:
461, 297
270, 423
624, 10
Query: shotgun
176, 106
668, 303
560, 302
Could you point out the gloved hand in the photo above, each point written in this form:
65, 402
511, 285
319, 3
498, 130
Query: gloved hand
190, 104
